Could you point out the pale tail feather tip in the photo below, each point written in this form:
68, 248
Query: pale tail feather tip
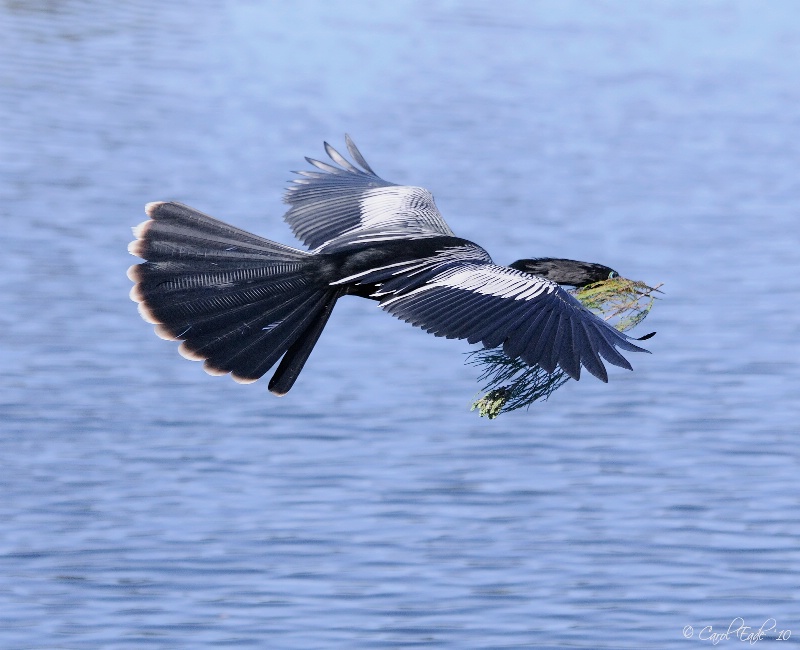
133, 273
163, 333
140, 230
186, 353
214, 372
243, 380
135, 293
151, 207
135, 248
147, 315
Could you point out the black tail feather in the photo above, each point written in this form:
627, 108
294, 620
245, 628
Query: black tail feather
237, 301
297, 355
176, 231
251, 357
225, 341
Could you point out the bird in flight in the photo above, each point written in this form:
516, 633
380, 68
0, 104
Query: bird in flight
241, 303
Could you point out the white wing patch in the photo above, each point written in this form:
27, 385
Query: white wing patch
401, 205
488, 280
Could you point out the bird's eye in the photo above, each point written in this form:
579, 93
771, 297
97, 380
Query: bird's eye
613, 275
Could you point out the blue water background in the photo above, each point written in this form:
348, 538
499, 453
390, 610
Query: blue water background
147, 504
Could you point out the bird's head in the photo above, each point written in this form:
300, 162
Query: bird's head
569, 272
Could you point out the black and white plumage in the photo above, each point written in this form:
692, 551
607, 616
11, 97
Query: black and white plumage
241, 303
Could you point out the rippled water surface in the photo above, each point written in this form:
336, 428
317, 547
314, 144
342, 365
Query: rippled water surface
146, 504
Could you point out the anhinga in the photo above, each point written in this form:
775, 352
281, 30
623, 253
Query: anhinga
240, 302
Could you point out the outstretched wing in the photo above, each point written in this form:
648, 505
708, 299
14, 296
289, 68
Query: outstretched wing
531, 317
342, 199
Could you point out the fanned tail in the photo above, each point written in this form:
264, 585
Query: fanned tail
238, 302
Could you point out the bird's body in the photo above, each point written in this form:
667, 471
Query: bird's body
241, 302
379, 259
